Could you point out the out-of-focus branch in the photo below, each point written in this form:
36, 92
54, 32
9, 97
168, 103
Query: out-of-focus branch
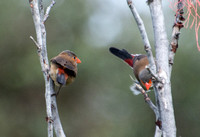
158, 131
48, 10
144, 36
178, 24
39, 18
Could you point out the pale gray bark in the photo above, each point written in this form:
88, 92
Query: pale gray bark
162, 61
39, 18
55, 117
162, 72
158, 132
178, 24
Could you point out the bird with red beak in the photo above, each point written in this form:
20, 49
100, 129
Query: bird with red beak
63, 68
138, 63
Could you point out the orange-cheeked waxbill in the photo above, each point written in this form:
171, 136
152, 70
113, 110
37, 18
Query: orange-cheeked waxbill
138, 63
63, 68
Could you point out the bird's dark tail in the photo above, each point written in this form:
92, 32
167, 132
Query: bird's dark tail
123, 54
61, 79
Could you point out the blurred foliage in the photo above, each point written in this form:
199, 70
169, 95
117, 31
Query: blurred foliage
99, 103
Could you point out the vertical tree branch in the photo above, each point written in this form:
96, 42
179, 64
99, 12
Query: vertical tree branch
178, 24
55, 116
163, 89
43, 61
158, 132
53, 119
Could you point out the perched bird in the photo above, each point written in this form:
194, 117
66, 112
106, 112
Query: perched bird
63, 68
138, 63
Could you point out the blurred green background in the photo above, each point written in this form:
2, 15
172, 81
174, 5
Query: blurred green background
99, 103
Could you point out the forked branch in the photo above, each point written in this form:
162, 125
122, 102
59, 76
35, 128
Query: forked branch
48, 11
143, 34
151, 67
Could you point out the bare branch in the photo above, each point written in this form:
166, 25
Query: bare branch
178, 24
38, 46
144, 36
53, 119
48, 11
147, 99
57, 124
160, 71
152, 66
162, 91
158, 132
37, 21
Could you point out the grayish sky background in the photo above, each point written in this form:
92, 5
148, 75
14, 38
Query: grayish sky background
106, 19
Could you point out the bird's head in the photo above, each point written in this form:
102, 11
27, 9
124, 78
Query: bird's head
69, 55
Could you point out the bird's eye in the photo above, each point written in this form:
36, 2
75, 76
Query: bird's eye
74, 57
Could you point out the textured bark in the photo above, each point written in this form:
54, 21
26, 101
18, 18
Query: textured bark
43, 60
39, 18
178, 24
162, 86
163, 89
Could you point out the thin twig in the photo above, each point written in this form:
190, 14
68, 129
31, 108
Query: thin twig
178, 24
38, 46
48, 11
147, 99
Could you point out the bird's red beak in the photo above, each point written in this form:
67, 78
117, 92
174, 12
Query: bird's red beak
148, 85
78, 60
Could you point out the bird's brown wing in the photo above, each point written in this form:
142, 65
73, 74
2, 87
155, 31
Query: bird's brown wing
137, 58
63, 62
139, 64
68, 67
